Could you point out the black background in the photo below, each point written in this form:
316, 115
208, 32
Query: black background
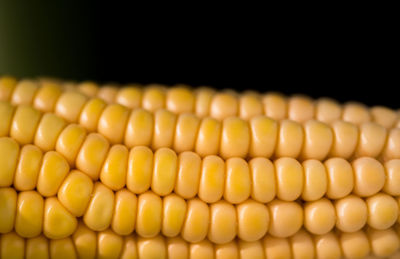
82, 40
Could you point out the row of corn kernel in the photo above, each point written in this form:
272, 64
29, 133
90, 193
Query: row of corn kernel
149, 214
106, 244
234, 137
188, 175
203, 102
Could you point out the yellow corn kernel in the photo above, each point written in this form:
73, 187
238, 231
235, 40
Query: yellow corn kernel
392, 182
29, 218
62, 249
300, 108
152, 248
75, 192
88, 88
46, 97
318, 138
70, 141
8, 207
90, 114
286, 218
208, 137
140, 169
383, 116
289, 177
6, 115
227, 251
24, 124
369, 176
9, 151
180, 100
235, 138
319, 216
290, 139
250, 105
355, 245
85, 242
7, 86
263, 139
372, 139
92, 154
125, 210
275, 247
153, 98
275, 106
253, 220
174, 212
177, 248
164, 129
237, 183
327, 246
251, 249
58, 222
70, 105
24, 92
315, 180
204, 96
302, 245
392, 146
113, 172
129, 250
12, 246
149, 216
197, 220
262, 172
165, 170
212, 179
139, 130
383, 242
186, 132
188, 178
327, 110
356, 113
109, 245
130, 96
340, 178
382, 211
99, 212
49, 129
223, 222
108, 93
112, 122
351, 212
37, 248
52, 173
224, 105
202, 250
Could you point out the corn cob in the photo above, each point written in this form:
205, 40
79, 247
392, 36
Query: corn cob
234, 137
85, 243
203, 102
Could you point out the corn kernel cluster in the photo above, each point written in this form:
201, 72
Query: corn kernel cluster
156, 172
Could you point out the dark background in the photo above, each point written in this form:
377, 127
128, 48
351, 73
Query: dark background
82, 40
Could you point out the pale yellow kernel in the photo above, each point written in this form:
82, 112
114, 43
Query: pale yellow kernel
302, 245
355, 245
227, 251
75, 192
327, 246
58, 222
286, 218
8, 201
90, 114
289, 177
290, 139
130, 96
188, 177
24, 92
251, 249
208, 137
383, 211
264, 132
139, 130
140, 169
109, 245
369, 176
212, 179
70, 105
112, 123
125, 211
70, 141
383, 116
235, 138
174, 212
250, 105
315, 180
345, 139
177, 248
25, 122
153, 98
392, 181
224, 105
340, 178
383, 242
275, 106
356, 113
108, 93
180, 99
49, 129
46, 97
223, 222
9, 151
129, 250
351, 213
275, 247
263, 183
85, 241
202, 250
197, 221
149, 215
237, 181
392, 146
327, 110
204, 95
165, 170
152, 248
319, 216
100, 210
164, 129
372, 139
88, 88
187, 126
29, 219
300, 108
253, 220
318, 138
113, 172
